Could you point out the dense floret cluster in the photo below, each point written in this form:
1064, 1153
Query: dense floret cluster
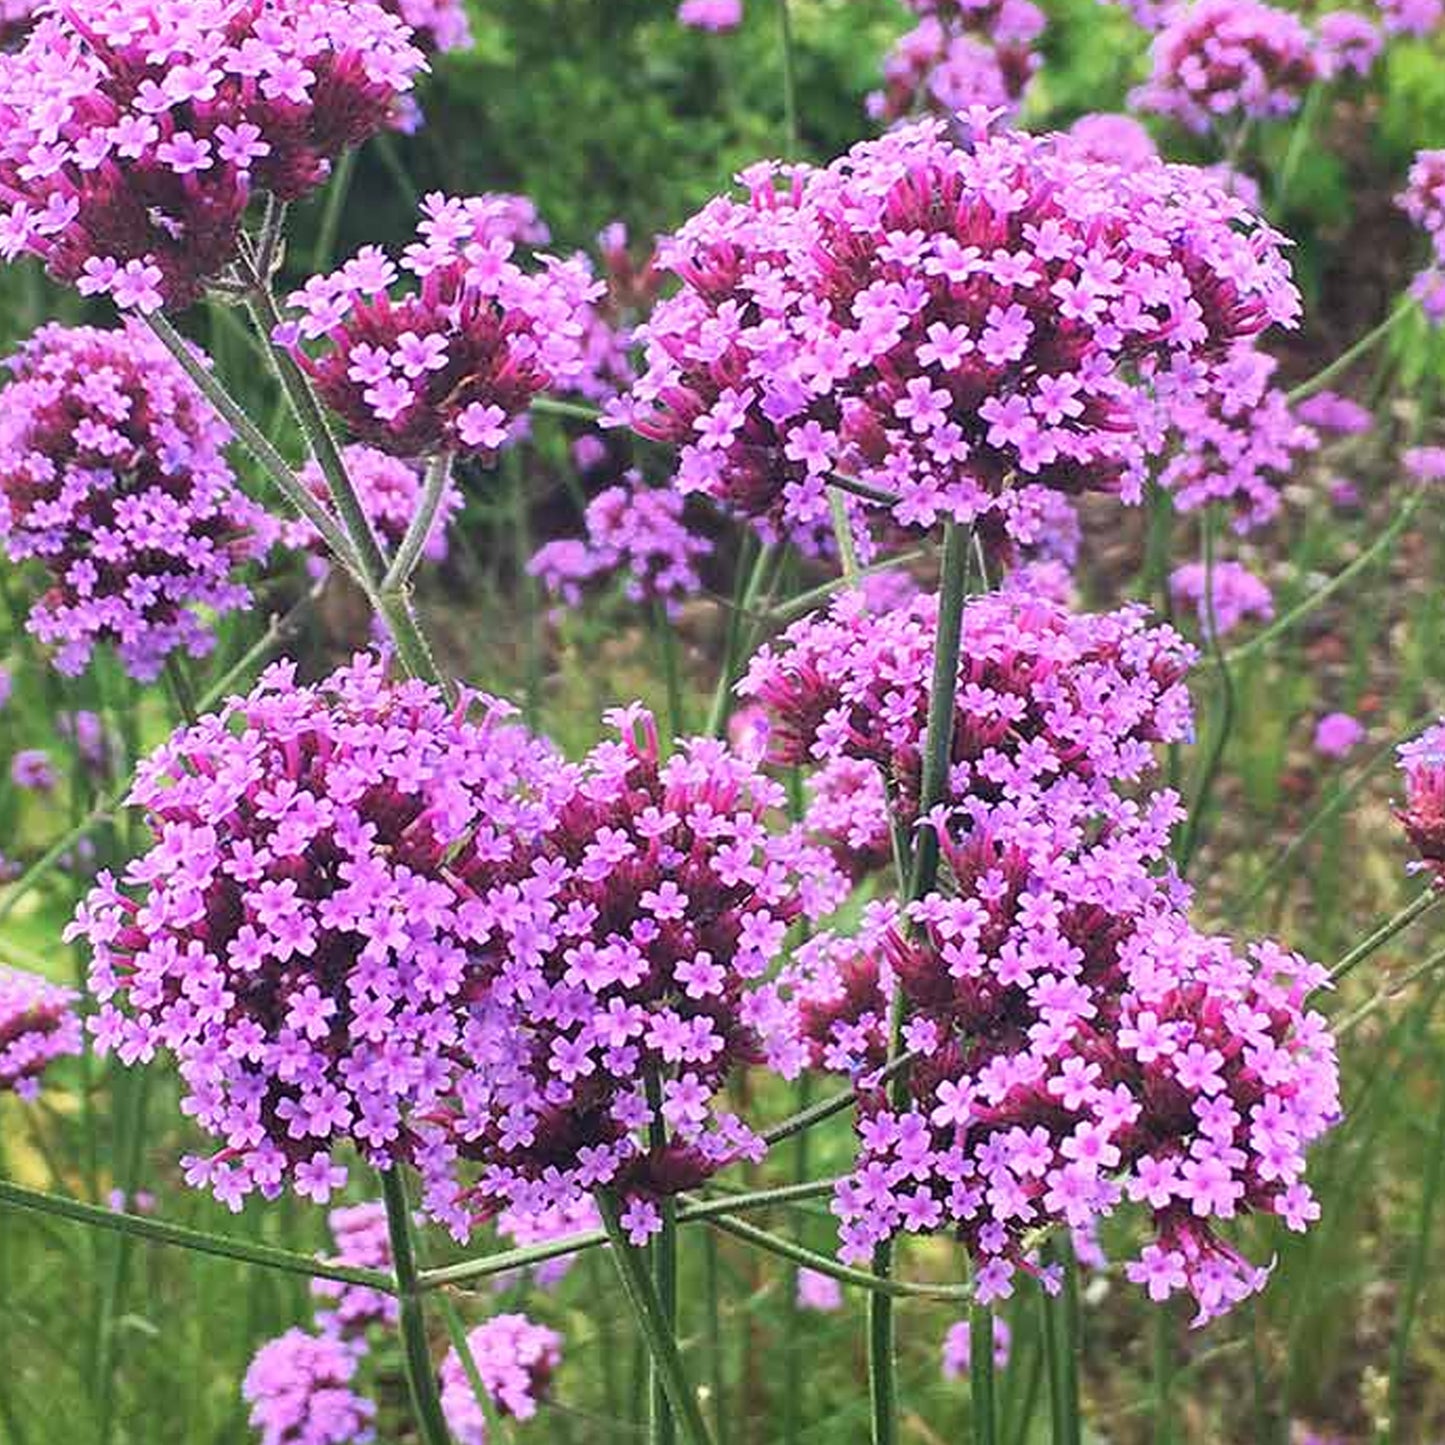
135, 135
38, 1024
113, 476
962, 328
437, 25
1348, 42
1328, 411
711, 14
636, 532
1222, 597
1423, 812
515, 1359
301, 935
362, 1238
1222, 62
1411, 17
300, 1391
453, 364
1423, 200
618, 961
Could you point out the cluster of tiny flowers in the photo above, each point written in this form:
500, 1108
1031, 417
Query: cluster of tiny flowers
1117, 140
453, 364
1337, 733
959, 57
389, 490
1052, 705
1222, 597
618, 962
300, 1391
818, 1292
1221, 62
848, 810
16, 18
1240, 446
1423, 200
1425, 464
961, 327
135, 134
1328, 411
515, 1360
301, 937
1347, 42
1411, 17
711, 14
436, 25
637, 532
1423, 811
32, 770
113, 476
958, 1348
362, 1240
543, 1226
38, 1024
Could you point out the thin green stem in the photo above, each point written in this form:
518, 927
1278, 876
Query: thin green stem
572, 410
337, 193
662, 1428
982, 1386
806, 602
1421, 904
1072, 1346
1298, 144
752, 577
420, 1373
835, 1104
457, 1334
648, 1311
419, 530
157, 1231
1352, 354
666, 635
1392, 989
843, 535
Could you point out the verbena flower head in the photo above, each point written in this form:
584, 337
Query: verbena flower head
1423, 812
819, 1292
1081, 1045
1328, 411
1237, 595
389, 490
848, 811
619, 953
1337, 733
1113, 139
958, 1347
523, 1228
967, 327
135, 134
113, 477
454, 362
1241, 446
32, 770
1423, 200
300, 1391
1225, 61
1051, 704
515, 1359
299, 936
362, 1239
16, 19
38, 1025
1411, 17
1424, 464
436, 25
1348, 42
633, 531
711, 14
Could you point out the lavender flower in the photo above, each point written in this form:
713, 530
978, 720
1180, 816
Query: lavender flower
37, 1026
714, 15
300, 1392
1422, 761
1330, 412
1237, 595
1423, 200
1337, 733
958, 1348
362, 1239
32, 770
515, 1359
819, 1292
1348, 42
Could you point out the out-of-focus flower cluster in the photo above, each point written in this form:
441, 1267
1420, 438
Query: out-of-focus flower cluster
1222, 597
300, 1389
1423, 200
618, 966
633, 531
1078, 1042
1240, 446
960, 55
962, 328
1411, 17
389, 490
1222, 62
113, 476
296, 941
1347, 42
362, 1239
437, 25
711, 14
1422, 761
515, 1359
958, 1348
454, 364
38, 1025
134, 135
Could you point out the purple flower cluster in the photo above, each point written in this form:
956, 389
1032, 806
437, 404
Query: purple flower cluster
541, 1226
1337, 733
1117, 140
436, 25
453, 364
32, 770
848, 811
715, 15
958, 1348
300, 1391
616, 967
1347, 42
1221, 62
136, 133
1328, 411
637, 532
1235, 595
362, 1239
389, 490
1423, 812
1423, 200
1411, 17
964, 328
1240, 446
113, 476
302, 936
960, 56
515, 1359
37, 1025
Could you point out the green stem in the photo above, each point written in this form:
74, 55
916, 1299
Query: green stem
418, 532
1298, 144
750, 581
1421, 904
457, 1334
981, 1375
156, 1231
420, 1374
806, 602
337, 192
648, 1311
572, 410
843, 535
662, 1428
1352, 354
671, 673
1392, 989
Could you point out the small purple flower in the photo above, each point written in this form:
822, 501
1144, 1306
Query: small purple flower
32, 770
38, 1025
1337, 733
1328, 411
958, 1347
300, 1391
716, 15
820, 1292
1237, 595
1425, 464
515, 1359
1422, 762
